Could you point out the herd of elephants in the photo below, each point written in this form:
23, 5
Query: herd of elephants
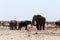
40, 23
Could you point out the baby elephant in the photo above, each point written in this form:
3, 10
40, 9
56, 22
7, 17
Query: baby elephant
23, 24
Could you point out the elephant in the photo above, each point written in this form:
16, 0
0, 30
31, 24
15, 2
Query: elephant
13, 24
23, 24
40, 21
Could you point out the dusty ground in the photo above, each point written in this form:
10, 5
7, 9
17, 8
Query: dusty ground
50, 33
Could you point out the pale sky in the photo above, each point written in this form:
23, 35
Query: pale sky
25, 9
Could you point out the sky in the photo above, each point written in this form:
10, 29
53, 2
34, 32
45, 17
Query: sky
25, 9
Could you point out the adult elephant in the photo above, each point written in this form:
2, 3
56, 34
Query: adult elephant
23, 24
13, 24
40, 21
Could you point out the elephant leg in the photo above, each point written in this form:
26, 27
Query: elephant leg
40, 27
11, 28
26, 28
43, 27
15, 27
19, 27
37, 27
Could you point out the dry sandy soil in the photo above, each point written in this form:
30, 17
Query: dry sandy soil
50, 33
